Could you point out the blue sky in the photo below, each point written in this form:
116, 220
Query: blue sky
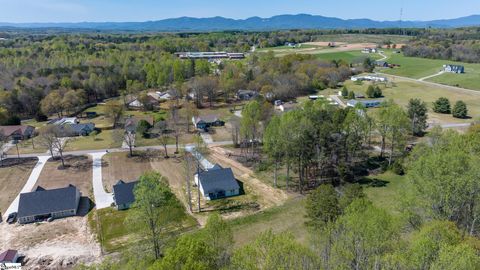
142, 10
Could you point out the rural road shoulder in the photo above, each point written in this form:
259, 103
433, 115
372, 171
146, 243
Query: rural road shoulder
32, 180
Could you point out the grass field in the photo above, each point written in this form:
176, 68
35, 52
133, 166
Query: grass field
383, 189
403, 90
416, 68
78, 173
362, 38
12, 179
348, 56
287, 218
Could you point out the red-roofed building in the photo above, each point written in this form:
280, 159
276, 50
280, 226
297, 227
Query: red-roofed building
9, 256
17, 132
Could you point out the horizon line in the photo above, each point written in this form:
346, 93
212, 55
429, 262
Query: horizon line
236, 19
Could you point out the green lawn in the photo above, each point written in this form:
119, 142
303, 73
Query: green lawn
115, 234
289, 217
348, 56
401, 91
416, 68
103, 140
383, 189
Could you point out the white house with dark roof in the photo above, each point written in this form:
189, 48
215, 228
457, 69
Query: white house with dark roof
217, 183
42, 204
454, 68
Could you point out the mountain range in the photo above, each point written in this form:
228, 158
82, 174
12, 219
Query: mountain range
280, 22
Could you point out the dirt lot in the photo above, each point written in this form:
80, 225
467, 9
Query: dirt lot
77, 173
13, 176
57, 245
118, 166
267, 195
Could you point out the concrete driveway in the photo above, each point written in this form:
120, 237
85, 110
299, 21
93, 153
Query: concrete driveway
102, 198
32, 180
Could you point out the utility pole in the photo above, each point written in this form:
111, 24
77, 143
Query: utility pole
187, 157
198, 184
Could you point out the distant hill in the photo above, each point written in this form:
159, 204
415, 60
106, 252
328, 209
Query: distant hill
281, 22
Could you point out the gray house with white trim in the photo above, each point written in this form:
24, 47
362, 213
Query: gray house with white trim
217, 183
42, 204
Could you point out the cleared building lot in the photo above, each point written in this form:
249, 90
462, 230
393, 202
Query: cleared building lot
13, 176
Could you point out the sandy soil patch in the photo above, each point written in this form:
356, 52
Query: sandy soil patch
77, 173
13, 176
61, 244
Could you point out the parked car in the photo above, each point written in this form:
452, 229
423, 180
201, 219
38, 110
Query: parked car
50, 219
12, 218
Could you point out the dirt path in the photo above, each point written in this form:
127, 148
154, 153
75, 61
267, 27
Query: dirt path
270, 196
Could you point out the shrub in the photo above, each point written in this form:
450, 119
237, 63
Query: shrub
442, 105
460, 110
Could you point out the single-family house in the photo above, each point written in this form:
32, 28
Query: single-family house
123, 195
454, 68
72, 130
63, 121
217, 183
286, 107
17, 132
9, 256
206, 121
137, 104
131, 122
42, 204
365, 103
383, 64
246, 94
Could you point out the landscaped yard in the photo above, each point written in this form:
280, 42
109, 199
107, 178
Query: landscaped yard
77, 173
13, 177
102, 140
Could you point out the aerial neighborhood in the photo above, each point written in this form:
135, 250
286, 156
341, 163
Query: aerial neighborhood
291, 142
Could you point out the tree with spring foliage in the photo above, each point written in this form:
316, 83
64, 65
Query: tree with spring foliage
417, 112
273, 144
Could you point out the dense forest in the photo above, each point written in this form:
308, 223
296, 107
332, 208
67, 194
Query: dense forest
457, 45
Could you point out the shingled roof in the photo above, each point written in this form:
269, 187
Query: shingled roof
218, 178
8, 256
42, 202
123, 192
